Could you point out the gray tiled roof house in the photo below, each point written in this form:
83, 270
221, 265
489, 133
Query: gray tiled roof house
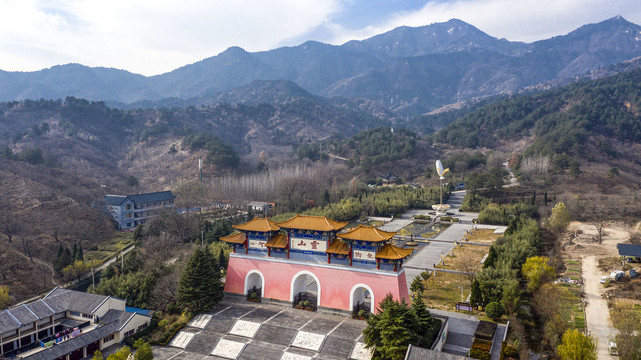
24, 329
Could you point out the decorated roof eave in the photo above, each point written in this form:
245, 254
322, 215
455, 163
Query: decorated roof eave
367, 234
238, 238
319, 223
279, 241
258, 225
338, 248
391, 252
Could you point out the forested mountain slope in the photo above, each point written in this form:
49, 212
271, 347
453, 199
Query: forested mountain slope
585, 119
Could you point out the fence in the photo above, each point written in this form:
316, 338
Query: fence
307, 298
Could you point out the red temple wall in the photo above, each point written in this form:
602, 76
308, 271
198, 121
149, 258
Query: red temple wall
335, 282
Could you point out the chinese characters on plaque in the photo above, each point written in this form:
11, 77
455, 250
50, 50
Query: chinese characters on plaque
308, 245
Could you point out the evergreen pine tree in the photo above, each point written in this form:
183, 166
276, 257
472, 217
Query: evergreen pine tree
545, 198
326, 196
62, 261
428, 326
200, 288
222, 261
60, 251
512, 226
388, 331
74, 254
476, 297
81, 256
534, 197
492, 255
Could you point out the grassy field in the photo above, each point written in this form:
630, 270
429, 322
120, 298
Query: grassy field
624, 309
355, 223
572, 308
443, 290
109, 248
486, 236
465, 258
440, 227
413, 229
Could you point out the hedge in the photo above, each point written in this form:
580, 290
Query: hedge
167, 336
480, 354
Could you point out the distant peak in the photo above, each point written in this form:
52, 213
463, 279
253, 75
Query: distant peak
234, 50
456, 21
617, 20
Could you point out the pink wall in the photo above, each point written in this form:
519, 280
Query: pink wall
336, 282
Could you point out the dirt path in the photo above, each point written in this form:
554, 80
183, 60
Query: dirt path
597, 313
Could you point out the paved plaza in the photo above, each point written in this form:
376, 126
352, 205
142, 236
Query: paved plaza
238, 330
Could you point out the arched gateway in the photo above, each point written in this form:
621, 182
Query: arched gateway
255, 283
307, 258
361, 298
305, 287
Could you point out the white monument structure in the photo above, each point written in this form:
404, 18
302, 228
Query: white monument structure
441, 209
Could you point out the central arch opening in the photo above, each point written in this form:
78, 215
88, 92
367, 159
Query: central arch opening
305, 291
361, 300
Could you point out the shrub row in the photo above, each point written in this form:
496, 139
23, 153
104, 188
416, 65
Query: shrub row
169, 334
480, 354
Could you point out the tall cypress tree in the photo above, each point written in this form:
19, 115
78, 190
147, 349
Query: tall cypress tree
476, 297
222, 260
200, 289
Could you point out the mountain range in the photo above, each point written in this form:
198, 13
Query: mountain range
409, 70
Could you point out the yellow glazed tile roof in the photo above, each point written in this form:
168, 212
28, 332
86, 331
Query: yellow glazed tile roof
278, 241
367, 233
238, 238
339, 248
258, 224
391, 252
308, 222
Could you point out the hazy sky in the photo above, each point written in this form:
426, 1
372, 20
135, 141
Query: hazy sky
156, 36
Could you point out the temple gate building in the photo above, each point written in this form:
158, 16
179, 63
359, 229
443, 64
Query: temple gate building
309, 258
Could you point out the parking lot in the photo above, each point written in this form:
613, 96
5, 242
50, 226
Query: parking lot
237, 330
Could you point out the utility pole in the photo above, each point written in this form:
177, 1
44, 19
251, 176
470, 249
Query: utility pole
93, 279
200, 169
200, 200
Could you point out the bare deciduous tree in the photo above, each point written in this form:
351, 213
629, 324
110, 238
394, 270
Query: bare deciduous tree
165, 290
469, 264
535, 164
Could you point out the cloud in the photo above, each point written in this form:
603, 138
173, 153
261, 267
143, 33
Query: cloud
147, 36
156, 36
515, 20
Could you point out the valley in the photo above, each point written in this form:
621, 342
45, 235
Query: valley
535, 134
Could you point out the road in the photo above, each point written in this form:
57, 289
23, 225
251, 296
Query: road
597, 313
513, 181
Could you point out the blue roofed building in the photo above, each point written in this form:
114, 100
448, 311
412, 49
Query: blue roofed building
131, 210
630, 251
